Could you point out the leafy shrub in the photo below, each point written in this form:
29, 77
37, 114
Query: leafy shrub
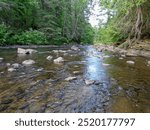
30, 37
4, 34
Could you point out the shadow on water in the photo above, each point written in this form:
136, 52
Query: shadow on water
115, 86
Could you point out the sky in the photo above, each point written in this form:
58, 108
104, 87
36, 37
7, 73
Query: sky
95, 17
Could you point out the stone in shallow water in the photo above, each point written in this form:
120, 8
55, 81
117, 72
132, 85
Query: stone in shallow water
1, 59
49, 58
89, 82
11, 69
75, 48
59, 60
106, 64
76, 72
130, 62
15, 65
28, 62
71, 78
148, 62
25, 51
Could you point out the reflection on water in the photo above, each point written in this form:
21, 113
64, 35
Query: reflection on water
118, 87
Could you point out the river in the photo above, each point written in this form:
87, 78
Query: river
116, 87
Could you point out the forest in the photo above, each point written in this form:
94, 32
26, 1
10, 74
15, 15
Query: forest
67, 21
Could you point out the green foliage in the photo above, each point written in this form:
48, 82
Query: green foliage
4, 34
30, 37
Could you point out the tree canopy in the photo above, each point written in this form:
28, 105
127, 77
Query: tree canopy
45, 22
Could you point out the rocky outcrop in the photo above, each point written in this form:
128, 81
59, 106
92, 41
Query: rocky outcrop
25, 51
59, 60
28, 62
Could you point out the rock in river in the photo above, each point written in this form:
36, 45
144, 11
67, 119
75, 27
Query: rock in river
26, 51
11, 69
70, 78
15, 65
148, 62
59, 60
1, 59
49, 58
130, 62
75, 48
28, 62
89, 82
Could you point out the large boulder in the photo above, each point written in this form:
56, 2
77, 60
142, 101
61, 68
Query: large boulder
25, 51
59, 60
28, 62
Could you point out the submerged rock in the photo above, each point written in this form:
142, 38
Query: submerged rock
15, 65
11, 69
75, 48
49, 58
28, 62
25, 51
130, 62
1, 59
59, 60
89, 82
71, 78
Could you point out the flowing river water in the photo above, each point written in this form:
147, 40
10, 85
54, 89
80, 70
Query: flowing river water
117, 86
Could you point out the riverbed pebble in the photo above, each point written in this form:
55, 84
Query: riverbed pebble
89, 82
59, 60
15, 65
28, 62
1, 59
130, 62
71, 78
49, 58
11, 69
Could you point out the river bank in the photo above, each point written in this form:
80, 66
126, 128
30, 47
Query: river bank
141, 49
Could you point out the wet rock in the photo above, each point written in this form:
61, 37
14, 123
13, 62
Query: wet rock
148, 62
89, 82
49, 58
1, 59
7, 101
55, 51
130, 62
25, 51
106, 64
59, 60
30, 51
15, 65
21, 51
40, 69
121, 58
75, 48
8, 64
11, 70
71, 78
106, 56
76, 72
28, 62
